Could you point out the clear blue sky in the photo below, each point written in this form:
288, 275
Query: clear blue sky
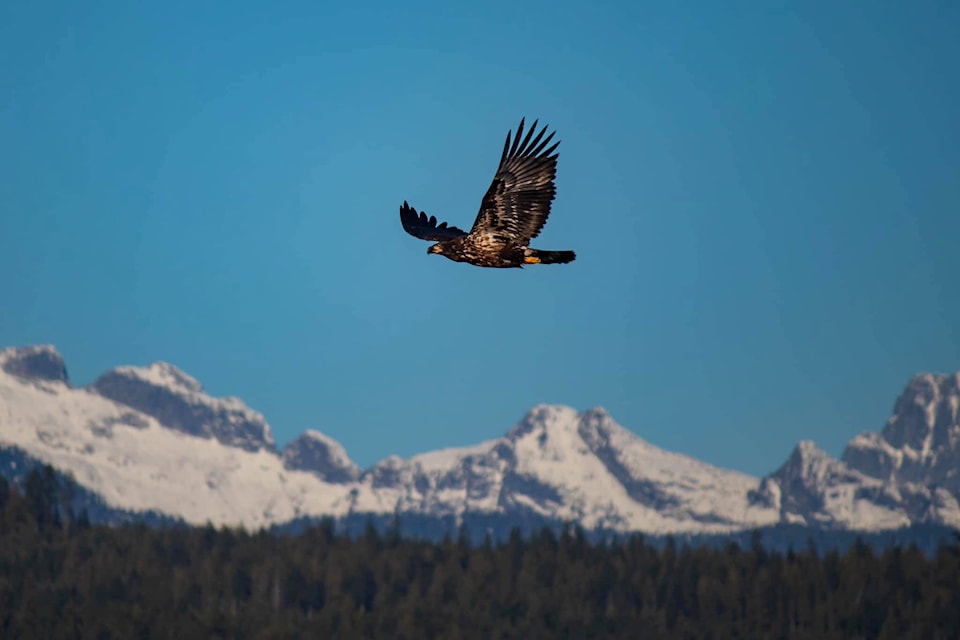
765, 204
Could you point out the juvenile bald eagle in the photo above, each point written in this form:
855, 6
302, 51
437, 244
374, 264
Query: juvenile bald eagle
512, 213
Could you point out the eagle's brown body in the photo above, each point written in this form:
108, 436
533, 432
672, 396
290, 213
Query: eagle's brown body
512, 213
485, 251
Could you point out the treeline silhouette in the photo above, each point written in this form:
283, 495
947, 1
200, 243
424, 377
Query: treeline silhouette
61, 577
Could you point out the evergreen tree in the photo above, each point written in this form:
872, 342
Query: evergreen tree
60, 579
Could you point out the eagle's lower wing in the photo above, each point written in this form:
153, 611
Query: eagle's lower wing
420, 226
517, 204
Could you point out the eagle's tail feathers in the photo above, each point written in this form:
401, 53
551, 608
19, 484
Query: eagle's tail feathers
538, 256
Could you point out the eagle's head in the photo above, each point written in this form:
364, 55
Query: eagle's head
435, 248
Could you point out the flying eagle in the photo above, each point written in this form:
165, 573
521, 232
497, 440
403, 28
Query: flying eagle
512, 212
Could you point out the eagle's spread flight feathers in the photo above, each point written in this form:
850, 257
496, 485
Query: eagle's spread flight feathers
513, 211
518, 201
426, 228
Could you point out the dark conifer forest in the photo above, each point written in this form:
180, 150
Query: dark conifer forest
62, 577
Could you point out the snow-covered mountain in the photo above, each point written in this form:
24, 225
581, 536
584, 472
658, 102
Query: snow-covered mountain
812, 487
921, 441
140, 456
150, 439
908, 473
178, 402
561, 464
582, 467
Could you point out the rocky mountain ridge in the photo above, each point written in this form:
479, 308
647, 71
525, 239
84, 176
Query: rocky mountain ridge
150, 439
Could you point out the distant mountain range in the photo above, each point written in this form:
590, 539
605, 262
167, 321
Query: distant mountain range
149, 441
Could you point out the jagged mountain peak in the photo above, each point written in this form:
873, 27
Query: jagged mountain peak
908, 472
550, 431
809, 463
920, 444
814, 488
810, 453
560, 426
545, 418
28, 350
588, 458
320, 455
177, 401
163, 374
926, 416
35, 362
599, 418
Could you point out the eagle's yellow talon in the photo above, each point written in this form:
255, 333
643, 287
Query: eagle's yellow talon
531, 260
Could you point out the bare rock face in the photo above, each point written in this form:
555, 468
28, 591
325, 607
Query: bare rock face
925, 415
34, 363
178, 402
798, 487
815, 489
322, 456
920, 442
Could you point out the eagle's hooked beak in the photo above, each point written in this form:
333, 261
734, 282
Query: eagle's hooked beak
434, 248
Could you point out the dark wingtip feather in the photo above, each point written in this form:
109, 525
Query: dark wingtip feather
535, 146
516, 138
526, 141
529, 145
420, 225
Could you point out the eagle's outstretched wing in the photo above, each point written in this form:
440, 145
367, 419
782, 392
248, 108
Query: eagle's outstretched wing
419, 226
517, 203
